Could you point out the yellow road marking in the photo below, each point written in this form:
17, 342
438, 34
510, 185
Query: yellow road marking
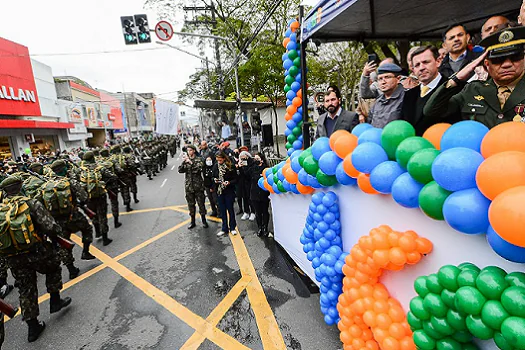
218, 313
193, 320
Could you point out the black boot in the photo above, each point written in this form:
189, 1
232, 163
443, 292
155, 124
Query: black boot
56, 303
116, 222
192, 224
260, 232
86, 255
35, 329
149, 177
105, 240
97, 231
204, 222
135, 198
73, 271
128, 208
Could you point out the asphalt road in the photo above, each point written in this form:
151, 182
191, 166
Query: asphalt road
162, 286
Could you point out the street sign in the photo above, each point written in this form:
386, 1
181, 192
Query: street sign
164, 30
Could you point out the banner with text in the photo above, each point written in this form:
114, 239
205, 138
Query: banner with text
166, 117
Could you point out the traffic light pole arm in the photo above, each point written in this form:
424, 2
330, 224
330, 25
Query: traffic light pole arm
200, 35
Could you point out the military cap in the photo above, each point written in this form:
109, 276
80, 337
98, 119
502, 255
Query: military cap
127, 149
11, 163
504, 43
115, 149
96, 152
104, 152
35, 165
11, 180
389, 68
192, 146
57, 164
89, 155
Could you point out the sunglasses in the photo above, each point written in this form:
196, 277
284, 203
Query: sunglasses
514, 58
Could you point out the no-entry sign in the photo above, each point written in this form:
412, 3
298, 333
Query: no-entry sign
164, 30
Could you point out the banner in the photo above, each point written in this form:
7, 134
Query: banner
166, 117
76, 114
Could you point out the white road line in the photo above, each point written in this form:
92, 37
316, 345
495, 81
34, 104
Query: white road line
173, 167
163, 183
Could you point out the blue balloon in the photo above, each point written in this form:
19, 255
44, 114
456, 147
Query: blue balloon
322, 226
296, 166
270, 180
269, 172
285, 57
300, 110
286, 72
287, 132
455, 169
329, 199
276, 189
405, 191
383, 176
318, 198
280, 175
342, 178
370, 135
328, 163
320, 147
293, 37
297, 145
297, 117
291, 124
360, 128
287, 64
300, 138
288, 103
260, 183
329, 320
312, 182
296, 86
288, 32
330, 234
290, 151
505, 249
303, 177
467, 133
467, 211
321, 209
298, 78
296, 154
316, 263
329, 218
291, 95
292, 45
367, 156
286, 185
294, 189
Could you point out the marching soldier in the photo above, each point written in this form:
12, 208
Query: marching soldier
125, 174
112, 186
133, 172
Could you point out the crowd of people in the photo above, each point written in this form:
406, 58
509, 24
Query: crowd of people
45, 199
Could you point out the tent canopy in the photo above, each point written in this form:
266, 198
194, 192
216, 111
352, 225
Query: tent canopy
346, 20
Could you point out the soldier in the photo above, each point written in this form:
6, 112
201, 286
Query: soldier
499, 99
94, 176
35, 255
133, 172
124, 175
112, 186
192, 166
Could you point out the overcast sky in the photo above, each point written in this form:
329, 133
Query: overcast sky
70, 26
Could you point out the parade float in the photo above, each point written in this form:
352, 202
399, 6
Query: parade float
414, 242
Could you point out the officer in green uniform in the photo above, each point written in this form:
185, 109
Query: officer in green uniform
499, 99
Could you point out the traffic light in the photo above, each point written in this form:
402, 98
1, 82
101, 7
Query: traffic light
141, 21
129, 30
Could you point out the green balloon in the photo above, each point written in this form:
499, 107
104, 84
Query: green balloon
433, 284
291, 138
462, 337
293, 71
491, 284
297, 62
289, 80
442, 325
431, 331
281, 187
479, 329
431, 200
494, 269
297, 131
448, 276
420, 164
513, 300
468, 278
433, 304
516, 279
469, 300
456, 320
468, 266
423, 341
275, 179
418, 309
310, 165
325, 180
304, 154
274, 171
288, 145
408, 147
420, 286
393, 134
27, 151
413, 321
287, 88
501, 342
493, 314
513, 330
292, 54
448, 298
448, 344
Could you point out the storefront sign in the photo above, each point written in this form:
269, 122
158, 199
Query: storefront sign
75, 114
17, 84
111, 116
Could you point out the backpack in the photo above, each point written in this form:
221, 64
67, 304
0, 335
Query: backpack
17, 232
57, 196
92, 179
121, 160
31, 186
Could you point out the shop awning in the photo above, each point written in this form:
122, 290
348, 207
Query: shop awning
33, 124
230, 105
345, 20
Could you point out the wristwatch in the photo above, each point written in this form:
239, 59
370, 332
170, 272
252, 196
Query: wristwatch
453, 78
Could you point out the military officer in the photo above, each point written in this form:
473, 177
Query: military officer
499, 99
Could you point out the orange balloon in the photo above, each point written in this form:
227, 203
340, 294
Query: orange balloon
397, 331
370, 318
287, 117
390, 344
363, 181
413, 258
335, 136
407, 343
381, 257
501, 172
407, 243
297, 102
372, 345
291, 176
435, 133
264, 172
291, 109
424, 246
286, 41
299, 94
345, 145
304, 189
507, 216
397, 256
294, 26
504, 137
349, 167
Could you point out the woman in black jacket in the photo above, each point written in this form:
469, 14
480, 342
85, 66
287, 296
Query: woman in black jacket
259, 197
225, 178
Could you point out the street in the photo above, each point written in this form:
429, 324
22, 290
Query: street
162, 286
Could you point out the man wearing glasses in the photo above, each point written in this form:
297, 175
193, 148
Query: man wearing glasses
499, 99
389, 104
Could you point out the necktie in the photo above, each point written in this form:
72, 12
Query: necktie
424, 90
503, 95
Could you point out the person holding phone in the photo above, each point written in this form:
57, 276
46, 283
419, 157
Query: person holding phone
245, 204
225, 178
260, 198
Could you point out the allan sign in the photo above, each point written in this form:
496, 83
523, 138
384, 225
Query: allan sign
17, 84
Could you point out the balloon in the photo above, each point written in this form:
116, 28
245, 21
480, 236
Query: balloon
296, 117
344, 144
504, 137
297, 62
290, 124
513, 330
292, 45
297, 131
342, 177
294, 70
507, 217
313, 182
297, 101
310, 165
455, 169
469, 300
291, 176
360, 128
435, 133
287, 64
408, 147
325, 179
383, 176
363, 181
349, 168
320, 147
431, 200
328, 163
505, 249
292, 54
370, 135
291, 109
27, 151
295, 86
420, 165
294, 25
501, 172
291, 139
393, 134
467, 133
280, 186
295, 164
467, 211
289, 79
286, 41
298, 78
367, 156
405, 191
260, 183
304, 189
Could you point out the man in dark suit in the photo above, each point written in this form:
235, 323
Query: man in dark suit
455, 41
336, 118
425, 63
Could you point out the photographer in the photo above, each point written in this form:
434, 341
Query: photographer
225, 178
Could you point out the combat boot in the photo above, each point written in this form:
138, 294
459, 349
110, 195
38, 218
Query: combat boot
129, 208
86, 255
116, 222
97, 231
56, 303
192, 224
73, 271
135, 198
35, 329
204, 222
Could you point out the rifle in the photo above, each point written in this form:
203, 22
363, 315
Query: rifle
63, 242
8, 309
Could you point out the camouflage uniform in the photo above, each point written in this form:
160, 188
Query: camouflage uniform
3, 271
133, 172
112, 186
194, 186
148, 161
124, 162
